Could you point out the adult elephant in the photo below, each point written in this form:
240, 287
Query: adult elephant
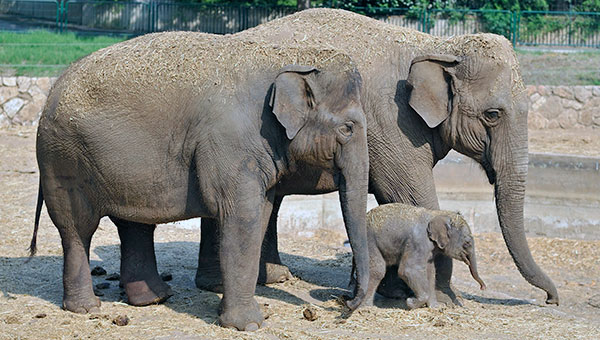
177, 125
423, 96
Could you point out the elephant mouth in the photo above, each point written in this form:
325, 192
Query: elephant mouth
486, 164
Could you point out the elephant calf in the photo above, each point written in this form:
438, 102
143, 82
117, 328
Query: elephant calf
410, 237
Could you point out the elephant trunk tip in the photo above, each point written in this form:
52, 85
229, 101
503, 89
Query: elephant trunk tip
552, 299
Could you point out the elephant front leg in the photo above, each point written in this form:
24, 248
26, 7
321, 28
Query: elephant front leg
445, 291
271, 269
139, 274
240, 247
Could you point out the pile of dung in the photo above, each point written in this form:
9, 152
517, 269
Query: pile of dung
172, 62
368, 41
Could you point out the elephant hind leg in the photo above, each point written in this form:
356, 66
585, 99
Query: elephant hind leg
76, 220
139, 275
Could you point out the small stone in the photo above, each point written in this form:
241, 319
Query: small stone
166, 276
571, 104
113, 277
103, 285
12, 107
40, 316
567, 119
9, 81
97, 271
23, 83
582, 94
121, 320
310, 313
563, 92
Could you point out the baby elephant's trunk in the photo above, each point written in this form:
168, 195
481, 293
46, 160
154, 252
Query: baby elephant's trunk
473, 269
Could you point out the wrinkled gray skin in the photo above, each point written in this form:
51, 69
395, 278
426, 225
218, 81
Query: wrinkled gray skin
410, 238
420, 103
144, 156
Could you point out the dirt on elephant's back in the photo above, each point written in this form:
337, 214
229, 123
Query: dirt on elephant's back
509, 308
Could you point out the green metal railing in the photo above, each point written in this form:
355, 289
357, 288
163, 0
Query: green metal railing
539, 28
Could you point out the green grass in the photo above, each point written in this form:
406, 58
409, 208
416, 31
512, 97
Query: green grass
43, 53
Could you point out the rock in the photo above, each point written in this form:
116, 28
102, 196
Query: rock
4, 120
582, 93
7, 93
310, 313
544, 91
113, 277
121, 320
535, 105
531, 89
44, 84
568, 119
596, 91
594, 301
9, 81
536, 121
12, 107
586, 117
97, 271
23, 83
30, 113
551, 108
571, 104
103, 285
166, 276
563, 92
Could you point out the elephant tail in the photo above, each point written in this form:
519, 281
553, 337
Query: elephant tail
36, 226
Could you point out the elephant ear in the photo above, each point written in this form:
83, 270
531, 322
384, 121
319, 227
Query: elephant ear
431, 90
437, 231
292, 97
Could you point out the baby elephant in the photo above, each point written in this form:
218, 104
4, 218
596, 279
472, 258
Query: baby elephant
410, 237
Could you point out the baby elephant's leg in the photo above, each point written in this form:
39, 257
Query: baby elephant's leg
432, 302
414, 272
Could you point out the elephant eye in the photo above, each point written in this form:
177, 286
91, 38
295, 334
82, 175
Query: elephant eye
346, 129
492, 114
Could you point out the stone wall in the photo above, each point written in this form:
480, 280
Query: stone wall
550, 107
22, 99
566, 107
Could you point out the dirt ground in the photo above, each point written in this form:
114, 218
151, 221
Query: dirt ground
31, 292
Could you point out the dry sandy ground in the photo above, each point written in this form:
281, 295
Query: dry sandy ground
510, 308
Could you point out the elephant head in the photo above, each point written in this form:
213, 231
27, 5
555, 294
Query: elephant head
476, 101
453, 236
323, 119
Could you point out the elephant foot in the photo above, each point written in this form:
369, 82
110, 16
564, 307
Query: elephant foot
85, 305
143, 293
449, 296
243, 317
209, 278
274, 273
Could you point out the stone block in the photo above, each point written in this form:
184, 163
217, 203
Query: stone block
563, 92
29, 114
12, 107
571, 104
582, 93
9, 81
552, 108
44, 84
596, 91
536, 121
23, 83
7, 93
567, 119
586, 117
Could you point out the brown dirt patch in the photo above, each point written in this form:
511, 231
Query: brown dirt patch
510, 308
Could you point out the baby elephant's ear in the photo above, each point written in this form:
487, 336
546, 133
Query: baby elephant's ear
437, 230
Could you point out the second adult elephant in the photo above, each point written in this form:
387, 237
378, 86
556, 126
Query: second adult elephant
171, 126
423, 96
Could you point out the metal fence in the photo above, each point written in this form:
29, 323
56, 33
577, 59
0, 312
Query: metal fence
577, 29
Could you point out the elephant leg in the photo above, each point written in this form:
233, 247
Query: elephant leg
208, 274
139, 275
242, 233
271, 269
376, 274
445, 292
76, 221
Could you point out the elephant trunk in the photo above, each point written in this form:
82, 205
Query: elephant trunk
510, 161
353, 191
472, 263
